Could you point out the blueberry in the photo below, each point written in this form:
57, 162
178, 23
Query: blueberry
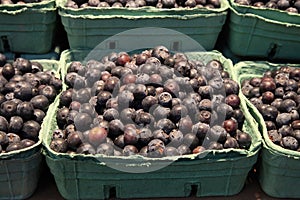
289, 142
275, 136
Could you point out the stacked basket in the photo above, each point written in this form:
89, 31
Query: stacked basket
27, 28
20, 169
88, 27
279, 167
217, 172
263, 33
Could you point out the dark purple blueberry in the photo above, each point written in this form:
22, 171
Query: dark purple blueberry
23, 65
3, 138
177, 112
110, 114
160, 134
283, 4
269, 112
86, 148
15, 124
285, 130
27, 143
30, 130
270, 125
61, 116
105, 149
287, 105
230, 125
283, 119
172, 87
295, 134
40, 102
58, 133
66, 97
96, 136
215, 146
144, 119
103, 97
204, 116
225, 109
49, 92
231, 143
244, 140
116, 128
267, 97
87, 108
131, 136
185, 124
171, 151
233, 100
59, 145
156, 148
23, 91
148, 102
200, 129
74, 140
184, 149
289, 142
231, 86
145, 136
254, 92
205, 91
129, 150
291, 85
8, 71
218, 133
12, 138
140, 92
119, 141
83, 95
14, 146
83, 121
165, 99
166, 125
191, 140
8, 109
70, 129
176, 138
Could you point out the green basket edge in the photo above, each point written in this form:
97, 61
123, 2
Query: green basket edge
270, 13
18, 8
142, 12
51, 124
26, 152
250, 15
263, 66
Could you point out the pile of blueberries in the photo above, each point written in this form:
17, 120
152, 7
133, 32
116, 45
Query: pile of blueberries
277, 97
26, 91
292, 6
153, 103
141, 3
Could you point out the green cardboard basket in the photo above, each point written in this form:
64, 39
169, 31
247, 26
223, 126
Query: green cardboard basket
20, 170
88, 27
27, 28
269, 13
279, 171
219, 173
257, 36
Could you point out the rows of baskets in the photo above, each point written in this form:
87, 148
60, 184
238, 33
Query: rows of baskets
123, 112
